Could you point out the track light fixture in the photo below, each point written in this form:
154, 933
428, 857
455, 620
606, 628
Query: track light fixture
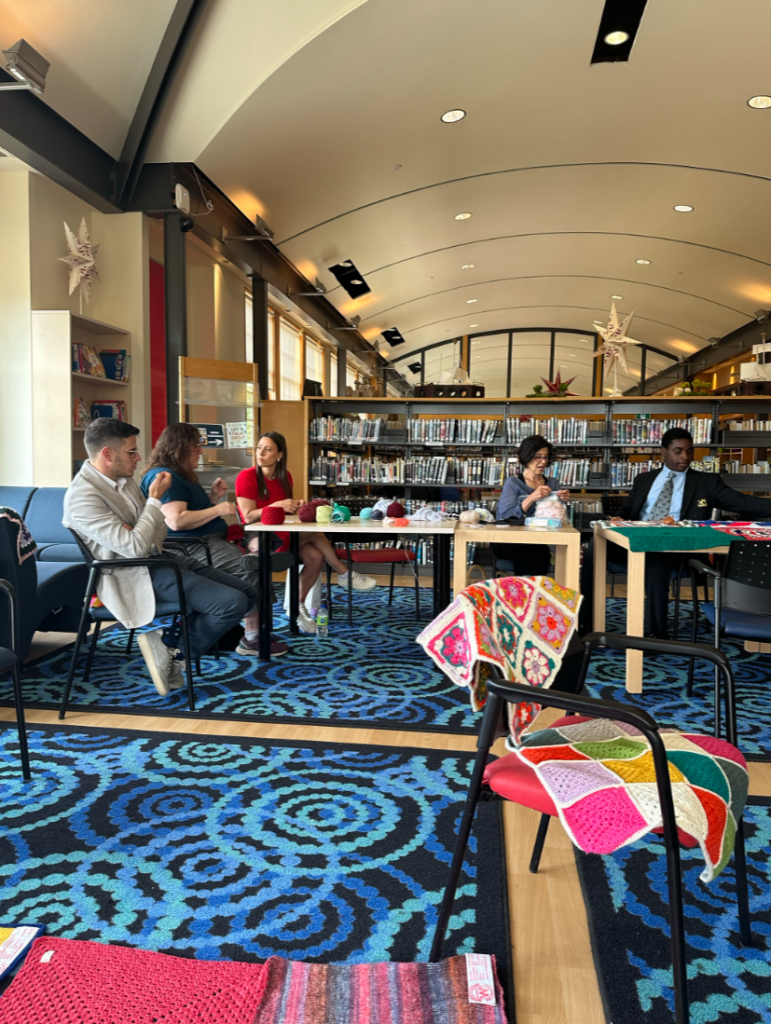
26, 65
353, 325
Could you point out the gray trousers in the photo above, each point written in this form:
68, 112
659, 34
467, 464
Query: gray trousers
216, 600
228, 558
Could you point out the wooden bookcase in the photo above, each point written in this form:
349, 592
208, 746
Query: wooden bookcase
57, 443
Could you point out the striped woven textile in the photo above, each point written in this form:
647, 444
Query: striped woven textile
72, 982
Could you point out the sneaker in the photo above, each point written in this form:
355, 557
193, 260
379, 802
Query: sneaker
177, 680
157, 658
362, 582
305, 621
252, 647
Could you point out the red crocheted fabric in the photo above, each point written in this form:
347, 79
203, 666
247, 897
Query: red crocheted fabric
91, 983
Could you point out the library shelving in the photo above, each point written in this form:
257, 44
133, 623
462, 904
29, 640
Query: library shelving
58, 391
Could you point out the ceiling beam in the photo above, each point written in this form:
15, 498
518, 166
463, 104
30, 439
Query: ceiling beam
728, 349
168, 60
34, 133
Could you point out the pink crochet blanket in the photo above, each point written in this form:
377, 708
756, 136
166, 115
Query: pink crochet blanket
520, 625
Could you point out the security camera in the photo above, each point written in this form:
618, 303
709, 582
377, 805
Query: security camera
186, 224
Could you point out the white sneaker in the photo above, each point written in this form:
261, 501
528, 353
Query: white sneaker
305, 621
362, 582
157, 658
177, 680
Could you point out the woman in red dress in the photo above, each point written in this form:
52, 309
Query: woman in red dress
270, 483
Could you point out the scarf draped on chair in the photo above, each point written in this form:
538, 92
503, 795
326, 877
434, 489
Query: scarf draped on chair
25, 544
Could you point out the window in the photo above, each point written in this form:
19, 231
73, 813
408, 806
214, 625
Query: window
333, 375
530, 355
488, 363
290, 361
314, 360
441, 361
351, 376
574, 357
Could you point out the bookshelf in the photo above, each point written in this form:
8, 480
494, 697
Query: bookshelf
218, 392
57, 441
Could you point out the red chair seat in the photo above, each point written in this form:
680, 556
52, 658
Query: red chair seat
514, 780
385, 555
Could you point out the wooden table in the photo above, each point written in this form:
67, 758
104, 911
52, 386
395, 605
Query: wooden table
566, 541
635, 593
355, 530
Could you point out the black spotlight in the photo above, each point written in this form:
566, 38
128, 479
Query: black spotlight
392, 336
349, 277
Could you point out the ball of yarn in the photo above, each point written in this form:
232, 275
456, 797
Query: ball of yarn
345, 511
324, 514
469, 516
485, 515
319, 501
376, 514
273, 515
365, 513
395, 510
306, 513
399, 521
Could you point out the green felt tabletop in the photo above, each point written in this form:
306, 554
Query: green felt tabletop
673, 538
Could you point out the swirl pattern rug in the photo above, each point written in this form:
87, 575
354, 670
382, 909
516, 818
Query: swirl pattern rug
372, 674
664, 679
626, 900
217, 848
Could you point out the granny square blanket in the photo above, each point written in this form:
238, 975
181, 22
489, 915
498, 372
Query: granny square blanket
25, 544
521, 625
600, 775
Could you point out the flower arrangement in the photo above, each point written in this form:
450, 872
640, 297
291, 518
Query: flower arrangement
694, 387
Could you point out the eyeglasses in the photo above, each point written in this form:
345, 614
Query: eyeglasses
131, 451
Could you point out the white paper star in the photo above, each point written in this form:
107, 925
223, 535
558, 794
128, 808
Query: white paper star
613, 348
81, 259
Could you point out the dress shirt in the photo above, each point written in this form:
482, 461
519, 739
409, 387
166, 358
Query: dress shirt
120, 487
678, 486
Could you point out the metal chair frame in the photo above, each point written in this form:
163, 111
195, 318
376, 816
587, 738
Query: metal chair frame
501, 692
350, 562
21, 728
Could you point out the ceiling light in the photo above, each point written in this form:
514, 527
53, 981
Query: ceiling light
684, 209
572, 355
468, 266
27, 65
473, 325
469, 301
597, 323
619, 297
616, 38
643, 263
356, 280
462, 216
453, 115
759, 102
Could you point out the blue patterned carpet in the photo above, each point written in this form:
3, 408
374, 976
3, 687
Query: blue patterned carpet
215, 848
626, 898
664, 688
371, 674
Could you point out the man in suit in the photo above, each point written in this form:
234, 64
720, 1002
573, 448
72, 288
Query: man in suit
106, 508
678, 491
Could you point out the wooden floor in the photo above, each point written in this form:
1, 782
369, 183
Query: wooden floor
554, 974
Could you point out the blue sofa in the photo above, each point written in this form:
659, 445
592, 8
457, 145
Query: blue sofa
43, 517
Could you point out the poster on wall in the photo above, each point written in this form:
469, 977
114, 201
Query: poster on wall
212, 434
239, 434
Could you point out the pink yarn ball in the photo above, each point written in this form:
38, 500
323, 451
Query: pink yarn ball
395, 510
307, 513
273, 515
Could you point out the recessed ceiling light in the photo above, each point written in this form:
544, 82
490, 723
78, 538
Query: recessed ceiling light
473, 325
616, 38
468, 266
619, 297
597, 323
759, 102
684, 209
453, 115
643, 263
355, 280
572, 355
462, 216
469, 301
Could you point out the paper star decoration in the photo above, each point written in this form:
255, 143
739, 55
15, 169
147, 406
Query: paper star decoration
556, 386
613, 348
81, 259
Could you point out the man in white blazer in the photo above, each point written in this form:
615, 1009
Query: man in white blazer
106, 508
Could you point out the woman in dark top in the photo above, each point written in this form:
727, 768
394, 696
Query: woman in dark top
519, 497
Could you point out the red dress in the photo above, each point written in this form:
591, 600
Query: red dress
246, 487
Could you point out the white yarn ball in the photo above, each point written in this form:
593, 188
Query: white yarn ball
469, 516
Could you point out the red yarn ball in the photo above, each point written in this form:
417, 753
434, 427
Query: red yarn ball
395, 510
319, 501
307, 513
273, 515
400, 521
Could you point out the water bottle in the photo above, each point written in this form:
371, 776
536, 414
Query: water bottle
322, 622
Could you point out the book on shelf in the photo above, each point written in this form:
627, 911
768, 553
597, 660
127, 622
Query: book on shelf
108, 408
86, 359
345, 429
116, 363
81, 415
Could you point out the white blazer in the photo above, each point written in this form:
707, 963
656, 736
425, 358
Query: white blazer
111, 527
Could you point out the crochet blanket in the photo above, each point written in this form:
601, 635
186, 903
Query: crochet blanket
520, 625
25, 544
601, 778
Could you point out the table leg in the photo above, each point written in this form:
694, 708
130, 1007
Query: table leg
266, 596
600, 570
293, 582
567, 563
459, 564
441, 572
635, 618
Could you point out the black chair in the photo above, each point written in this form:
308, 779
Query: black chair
742, 605
10, 660
500, 692
103, 614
